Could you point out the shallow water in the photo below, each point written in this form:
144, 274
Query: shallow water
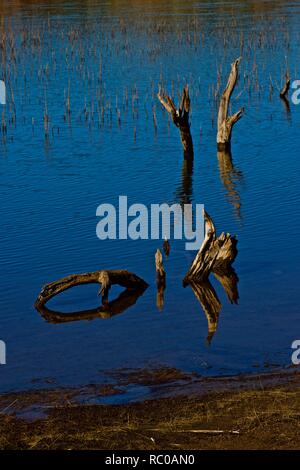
110, 59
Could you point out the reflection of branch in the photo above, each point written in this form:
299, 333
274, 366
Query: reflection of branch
229, 175
284, 95
210, 303
185, 191
160, 279
229, 281
125, 300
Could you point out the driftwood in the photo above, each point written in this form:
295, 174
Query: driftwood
160, 279
126, 299
215, 254
104, 277
225, 122
180, 118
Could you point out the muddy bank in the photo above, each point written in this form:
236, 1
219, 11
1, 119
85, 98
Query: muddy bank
254, 412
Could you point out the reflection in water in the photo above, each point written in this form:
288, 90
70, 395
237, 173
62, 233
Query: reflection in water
184, 192
126, 299
287, 107
209, 300
230, 176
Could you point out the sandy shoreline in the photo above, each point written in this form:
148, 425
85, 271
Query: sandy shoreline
258, 411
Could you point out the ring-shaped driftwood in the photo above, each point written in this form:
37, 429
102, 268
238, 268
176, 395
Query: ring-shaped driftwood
105, 278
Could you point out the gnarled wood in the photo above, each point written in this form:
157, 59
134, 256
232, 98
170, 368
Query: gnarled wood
225, 122
216, 253
180, 118
104, 277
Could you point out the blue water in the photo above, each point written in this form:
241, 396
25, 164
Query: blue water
111, 58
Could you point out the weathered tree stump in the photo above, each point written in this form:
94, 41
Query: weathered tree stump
215, 253
105, 277
180, 118
225, 122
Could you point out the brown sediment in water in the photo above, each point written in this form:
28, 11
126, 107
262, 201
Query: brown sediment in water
249, 412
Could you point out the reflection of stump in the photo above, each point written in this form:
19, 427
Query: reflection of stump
160, 279
180, 118
210, 303
185, 190
229, 175
209, 300
225, 122
284, 94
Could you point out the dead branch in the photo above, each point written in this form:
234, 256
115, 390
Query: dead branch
215, 253
104, 278
180, 118
225, 122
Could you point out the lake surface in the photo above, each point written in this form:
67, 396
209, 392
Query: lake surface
93, 69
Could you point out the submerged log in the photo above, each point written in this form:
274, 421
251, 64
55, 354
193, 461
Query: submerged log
125, 300
215, 253
180, 118
225, 122
105, 278
160, 279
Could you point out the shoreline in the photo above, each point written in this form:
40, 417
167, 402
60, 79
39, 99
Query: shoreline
246, 412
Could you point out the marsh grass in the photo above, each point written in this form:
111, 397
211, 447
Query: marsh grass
60, 75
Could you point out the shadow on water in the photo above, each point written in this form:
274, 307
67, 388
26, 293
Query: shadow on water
209, 300
123, 302
230, 176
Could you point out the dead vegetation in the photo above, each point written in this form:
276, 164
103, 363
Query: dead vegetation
261, 418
